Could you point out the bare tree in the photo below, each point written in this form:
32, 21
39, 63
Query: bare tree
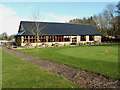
111, 14
118, 7
118, 11
107, 20
100, 24
37, 28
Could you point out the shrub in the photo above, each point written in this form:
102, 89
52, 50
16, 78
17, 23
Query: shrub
9, 45
56, 44
64, 44
36, 45
95, 42
4, 44
80, 44
90, 43
40, 45
84, 43
25, 41
47, 44
111, 41
18, 41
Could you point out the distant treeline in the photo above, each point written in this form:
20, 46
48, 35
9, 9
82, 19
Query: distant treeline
4, 36
107, 22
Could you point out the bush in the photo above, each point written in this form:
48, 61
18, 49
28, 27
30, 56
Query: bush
95, 42
56, 44
80, 44
25, 41
64, 44
47, 44
36, 45
18, 41
84, 43
4, 44
90, 43
40, 45
9, 45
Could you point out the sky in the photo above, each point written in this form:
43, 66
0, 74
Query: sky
11, 13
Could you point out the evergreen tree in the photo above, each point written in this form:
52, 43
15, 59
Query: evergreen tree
18, 41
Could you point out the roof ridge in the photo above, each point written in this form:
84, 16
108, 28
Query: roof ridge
57, 22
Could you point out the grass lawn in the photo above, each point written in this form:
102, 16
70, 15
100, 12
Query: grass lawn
92, 58
19, 74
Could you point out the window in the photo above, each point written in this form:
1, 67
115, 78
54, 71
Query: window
91, 38
60, 38
43, 39
52, 38
34, 37
74, 39
66, 38
26, 37
83, 38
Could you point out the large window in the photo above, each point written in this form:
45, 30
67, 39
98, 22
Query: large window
60, 38
31, 39
83, 38
42, 38
91, 38
50, 38
66, 38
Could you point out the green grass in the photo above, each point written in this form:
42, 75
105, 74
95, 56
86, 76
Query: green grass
93, 58
19, 74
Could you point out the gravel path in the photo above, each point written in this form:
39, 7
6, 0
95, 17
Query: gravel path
83, 78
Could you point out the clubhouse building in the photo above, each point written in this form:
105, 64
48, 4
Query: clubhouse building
56, 33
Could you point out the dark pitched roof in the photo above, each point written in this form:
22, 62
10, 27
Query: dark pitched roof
57, 29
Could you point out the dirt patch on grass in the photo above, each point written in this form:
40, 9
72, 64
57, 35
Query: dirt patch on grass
82, 77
